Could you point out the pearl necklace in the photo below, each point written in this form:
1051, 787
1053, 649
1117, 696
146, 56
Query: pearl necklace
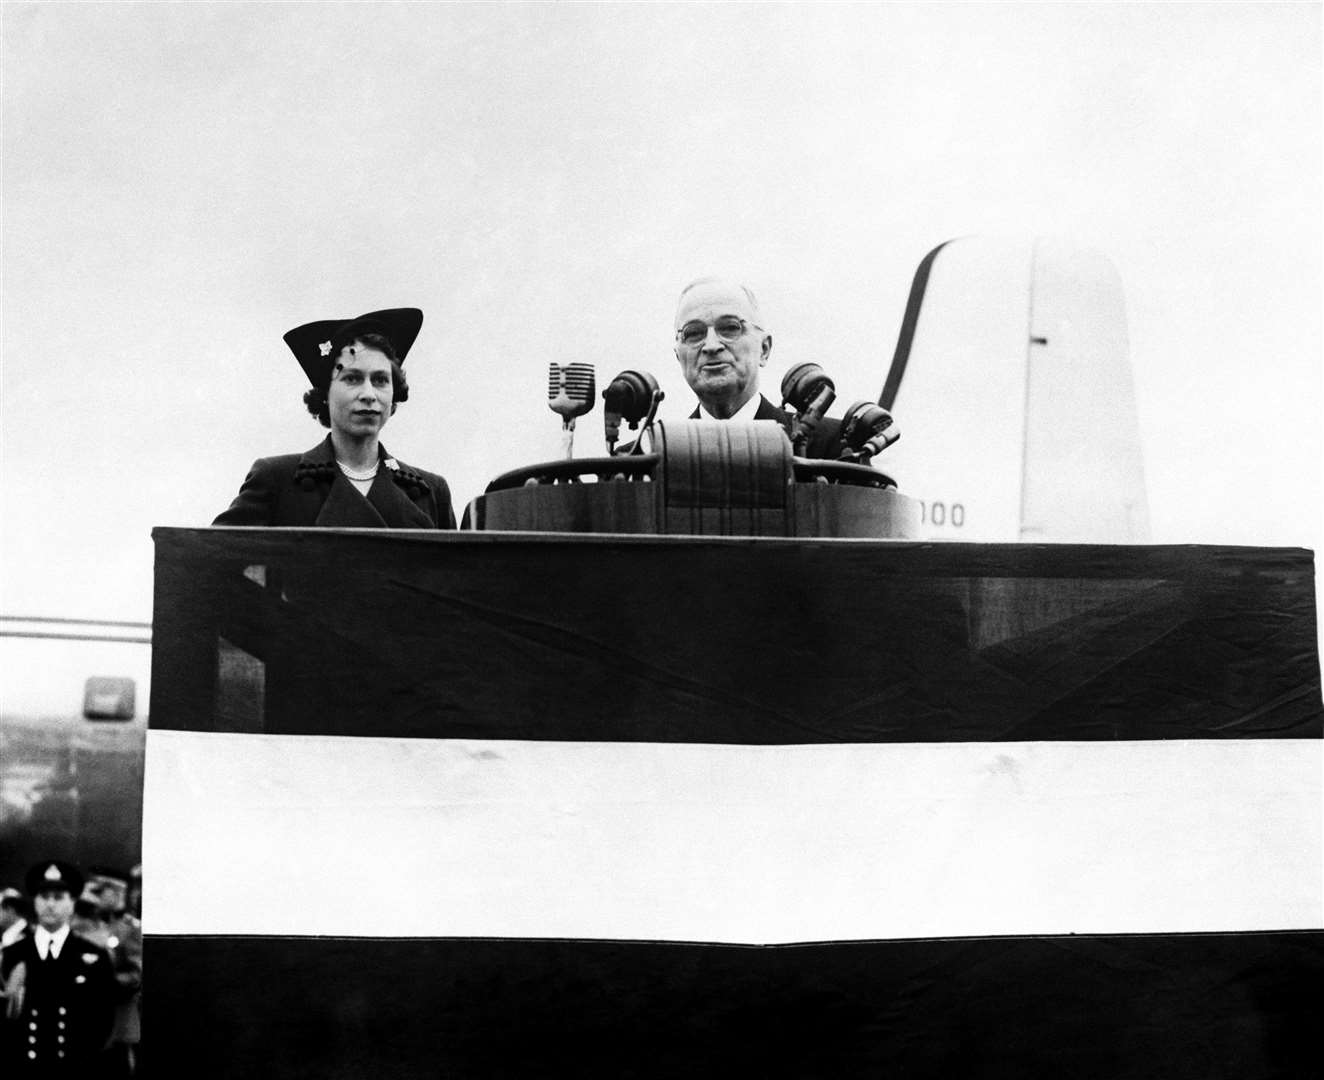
358, 476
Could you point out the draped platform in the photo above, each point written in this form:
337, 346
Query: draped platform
499, 804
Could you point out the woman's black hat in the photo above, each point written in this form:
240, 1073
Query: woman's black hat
315, 344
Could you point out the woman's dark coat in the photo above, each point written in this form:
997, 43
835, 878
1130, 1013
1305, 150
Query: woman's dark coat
310, 490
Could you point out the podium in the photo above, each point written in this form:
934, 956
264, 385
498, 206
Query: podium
701, 479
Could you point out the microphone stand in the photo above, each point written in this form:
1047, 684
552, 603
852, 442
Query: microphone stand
568, 437
637, 448
806, 423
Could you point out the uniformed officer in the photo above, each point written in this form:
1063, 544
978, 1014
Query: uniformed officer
61, 987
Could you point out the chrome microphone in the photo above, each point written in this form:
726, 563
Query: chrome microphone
809, 390
866, 429
570, 393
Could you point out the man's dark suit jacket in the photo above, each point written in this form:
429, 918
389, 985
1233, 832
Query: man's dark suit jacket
310, 490
824, 443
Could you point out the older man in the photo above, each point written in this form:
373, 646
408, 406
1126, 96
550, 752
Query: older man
723, 345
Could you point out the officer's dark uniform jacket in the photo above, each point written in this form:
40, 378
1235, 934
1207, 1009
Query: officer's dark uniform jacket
68, 1009
310, 490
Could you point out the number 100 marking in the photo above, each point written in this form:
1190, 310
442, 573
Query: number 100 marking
938, 513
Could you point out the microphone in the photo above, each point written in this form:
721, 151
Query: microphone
811, 392
570, 392
630, 397
867, 429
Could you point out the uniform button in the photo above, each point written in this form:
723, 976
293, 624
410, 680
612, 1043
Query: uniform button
32, 1053
63, 1010
60, 1025
32, 1038
32, 1027
61, 1054
59, 1038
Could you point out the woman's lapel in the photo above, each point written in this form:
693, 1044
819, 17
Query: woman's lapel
345, 508
386, 505
395, 507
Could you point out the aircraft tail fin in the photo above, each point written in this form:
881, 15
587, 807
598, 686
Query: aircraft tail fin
1012, 376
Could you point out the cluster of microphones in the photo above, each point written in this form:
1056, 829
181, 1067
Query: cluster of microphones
633, 396
866, 429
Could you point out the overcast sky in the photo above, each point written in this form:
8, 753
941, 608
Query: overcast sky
184, 182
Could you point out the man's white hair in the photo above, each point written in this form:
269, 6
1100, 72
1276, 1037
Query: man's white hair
756, 316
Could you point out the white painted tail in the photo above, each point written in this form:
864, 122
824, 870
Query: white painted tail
1012, 382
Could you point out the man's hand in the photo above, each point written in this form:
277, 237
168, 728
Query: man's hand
14, 991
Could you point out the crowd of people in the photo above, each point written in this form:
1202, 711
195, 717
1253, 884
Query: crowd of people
71, 971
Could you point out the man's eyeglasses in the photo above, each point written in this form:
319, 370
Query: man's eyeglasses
729, 328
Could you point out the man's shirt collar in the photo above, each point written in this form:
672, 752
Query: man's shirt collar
51, 943
745, 412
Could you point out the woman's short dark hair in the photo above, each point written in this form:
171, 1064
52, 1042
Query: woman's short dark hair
315, 399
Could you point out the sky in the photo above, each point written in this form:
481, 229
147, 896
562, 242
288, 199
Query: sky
184, 182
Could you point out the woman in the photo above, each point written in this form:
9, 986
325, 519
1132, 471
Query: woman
348, 480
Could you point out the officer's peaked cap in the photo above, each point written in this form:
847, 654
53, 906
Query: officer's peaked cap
54, 874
